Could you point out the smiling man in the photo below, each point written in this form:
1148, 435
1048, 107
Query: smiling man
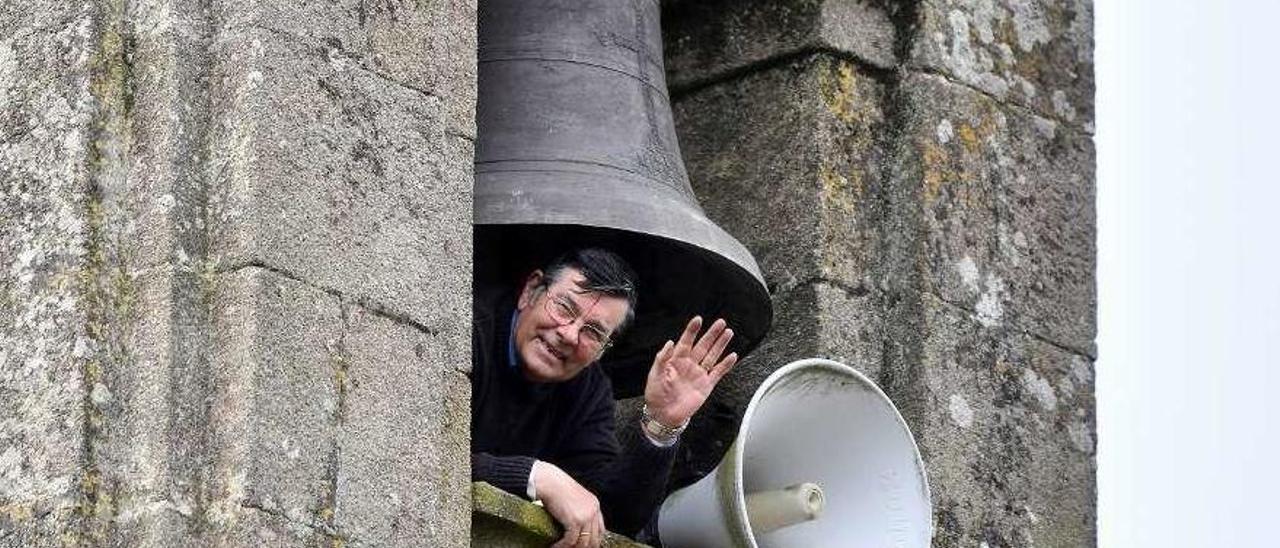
543, 414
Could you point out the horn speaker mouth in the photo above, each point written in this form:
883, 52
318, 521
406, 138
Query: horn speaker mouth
817, 421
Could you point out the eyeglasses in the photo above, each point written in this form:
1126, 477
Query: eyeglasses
565, 311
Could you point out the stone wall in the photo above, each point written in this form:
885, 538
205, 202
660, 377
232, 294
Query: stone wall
236, 247
916, 181
235, 240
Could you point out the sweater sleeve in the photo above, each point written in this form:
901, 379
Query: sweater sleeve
638, 481
509, 473
627, 472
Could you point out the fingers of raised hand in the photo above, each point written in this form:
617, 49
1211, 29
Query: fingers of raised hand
665, 353
723, 366
690, 334
717, 348
707, 341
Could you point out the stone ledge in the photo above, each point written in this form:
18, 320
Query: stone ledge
501, 519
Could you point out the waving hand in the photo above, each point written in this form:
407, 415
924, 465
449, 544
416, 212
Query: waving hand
684, 372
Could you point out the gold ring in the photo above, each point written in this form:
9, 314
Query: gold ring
585, 534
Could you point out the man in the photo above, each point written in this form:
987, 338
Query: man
543, 417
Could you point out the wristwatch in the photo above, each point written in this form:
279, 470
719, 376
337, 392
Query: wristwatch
660, 433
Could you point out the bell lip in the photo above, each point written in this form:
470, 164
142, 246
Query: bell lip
618, 199
736, 259
628, 370
738, 449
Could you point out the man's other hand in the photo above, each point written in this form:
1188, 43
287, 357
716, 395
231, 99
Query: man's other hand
685, 372
571, 504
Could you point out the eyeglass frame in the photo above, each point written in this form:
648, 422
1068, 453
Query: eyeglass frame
551, 303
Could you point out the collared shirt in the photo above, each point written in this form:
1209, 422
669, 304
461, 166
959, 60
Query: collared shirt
511, 341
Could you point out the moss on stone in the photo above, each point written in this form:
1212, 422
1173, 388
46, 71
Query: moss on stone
501, 519
839, 191
105, 284
843, 94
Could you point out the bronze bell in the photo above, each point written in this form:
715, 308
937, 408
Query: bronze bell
576, 146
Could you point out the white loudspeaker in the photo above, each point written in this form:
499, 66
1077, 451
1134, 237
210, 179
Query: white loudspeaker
822, 458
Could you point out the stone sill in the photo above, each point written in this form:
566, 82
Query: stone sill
504, 520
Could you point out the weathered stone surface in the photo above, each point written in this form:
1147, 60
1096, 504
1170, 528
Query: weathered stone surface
852, 154
155, 77
1006, 427
340, 176
128, 484
132, 134
404, 457
46, 118
947, 249
850, 328
126, 144
343, 159
710, 39
427, 47
278, 368
789, 161
818, 319
122, 175
750, 165
1047, 235
255, 527
50, 529
1005, 217
1037, 53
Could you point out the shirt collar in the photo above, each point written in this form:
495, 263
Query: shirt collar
512, 361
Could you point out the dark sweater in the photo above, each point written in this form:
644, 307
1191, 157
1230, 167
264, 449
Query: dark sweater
569, 424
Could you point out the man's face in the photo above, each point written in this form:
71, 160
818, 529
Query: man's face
554, 350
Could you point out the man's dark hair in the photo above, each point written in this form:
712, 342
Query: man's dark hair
605, 273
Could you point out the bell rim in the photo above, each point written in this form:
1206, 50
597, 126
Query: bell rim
505, 198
